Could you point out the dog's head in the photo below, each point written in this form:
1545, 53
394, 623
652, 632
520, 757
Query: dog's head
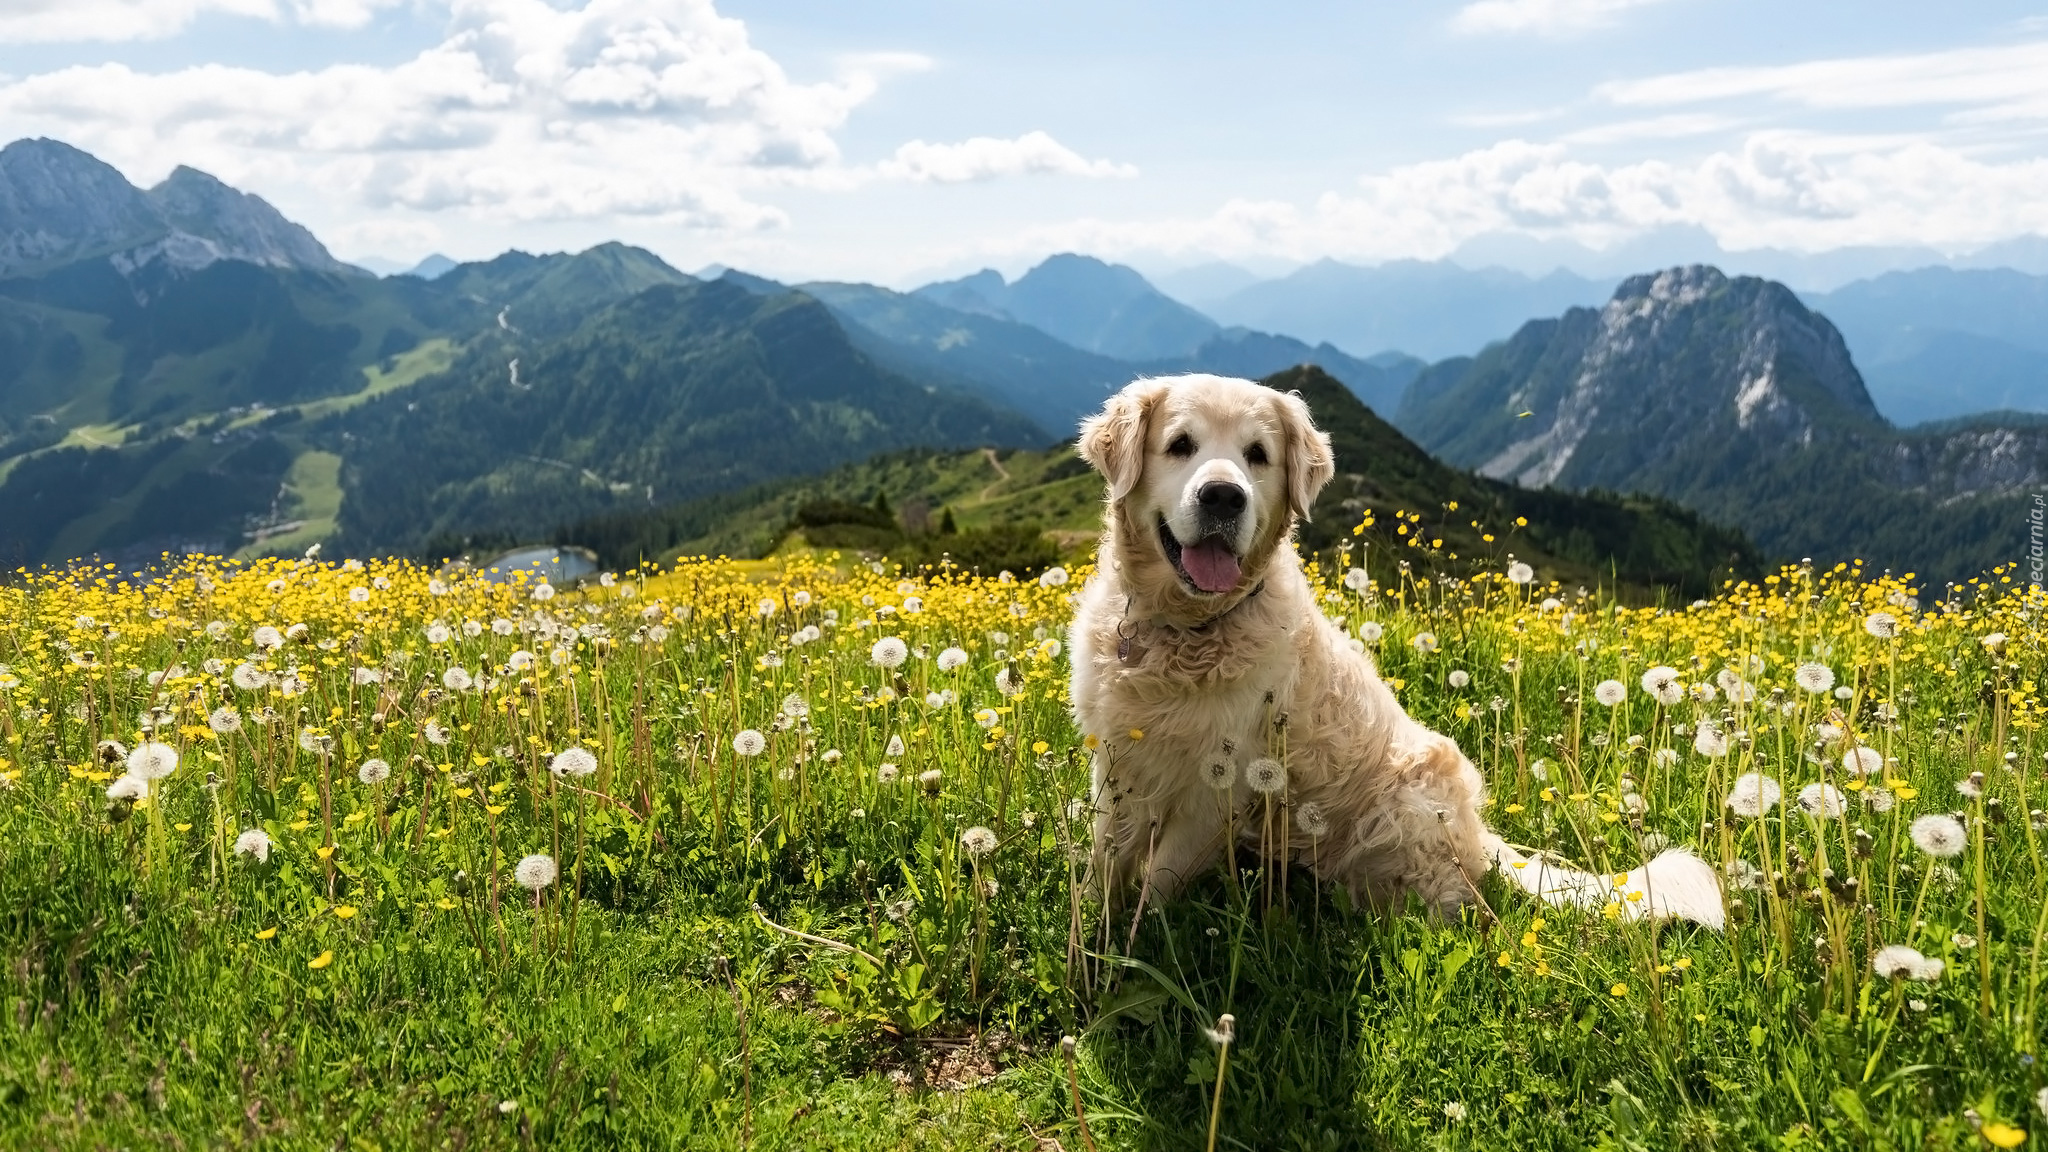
1206, 475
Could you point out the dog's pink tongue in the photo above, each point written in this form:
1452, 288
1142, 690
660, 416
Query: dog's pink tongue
1210, 565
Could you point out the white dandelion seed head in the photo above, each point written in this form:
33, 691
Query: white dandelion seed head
912, 605
1814, 678
1371, 632
1862, 760
374, 771
1425, 642
1708, 741
1539, 769
255, 842
437, 733
267, 638
1521, 573
1053, 577
1219, 773
1663, 685
152, 761
887, 774
1994, 642
519, 660
224, 720
1877, 799
978, 841
1822, 800
1664, 757
1459, 678
249, 678
1265, 776
1882, 625
767, 607
1899, 962
930, 779
889, 652
542, 593
1753, 795
1357, 580
364, 676
1971, 787
1704, 693
895, 747
315, 741
1007, 684
801, 599
129, 788
1311, 819
1610, 692
750, 742
438, 634
456, 679
795, 707
830, 756
1938, 834
472, 628
987, 717
535, 872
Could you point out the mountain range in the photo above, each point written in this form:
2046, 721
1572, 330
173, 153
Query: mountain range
181, 367
1731, 397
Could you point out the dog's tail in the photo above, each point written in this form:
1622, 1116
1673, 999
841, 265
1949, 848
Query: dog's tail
1677, 883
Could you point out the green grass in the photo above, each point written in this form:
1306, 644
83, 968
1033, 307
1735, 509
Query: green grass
313, 499
793, 951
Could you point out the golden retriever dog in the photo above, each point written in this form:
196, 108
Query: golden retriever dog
1225, 706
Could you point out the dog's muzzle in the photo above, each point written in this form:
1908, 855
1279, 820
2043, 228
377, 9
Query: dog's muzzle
1210, 565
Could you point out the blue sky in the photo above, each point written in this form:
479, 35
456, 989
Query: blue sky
893, 141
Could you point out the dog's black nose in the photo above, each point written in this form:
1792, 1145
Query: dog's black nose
1222, 498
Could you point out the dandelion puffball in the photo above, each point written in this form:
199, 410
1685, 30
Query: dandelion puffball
1823, 800
1898, 962
978, 841
889, 652
1862, 760
750, 742
1662, 684
255, 842
1815, 678
1709, 741
1753, 795
1425, 642
1265, 776
152, 761
573, 762
1938, 835
1610, 692
535, 872
1521, 573
129, 788
374, 771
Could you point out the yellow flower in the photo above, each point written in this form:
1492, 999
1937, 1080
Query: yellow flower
301, 825
494, 809
324, 851
1040, 747
322, 960
444, 904
182, 827
344, 911
1514, 808
267, 933
2003, 1135
1682, 963
1137, 733
1618, 990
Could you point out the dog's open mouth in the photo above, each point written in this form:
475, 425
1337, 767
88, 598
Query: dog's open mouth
1207, 566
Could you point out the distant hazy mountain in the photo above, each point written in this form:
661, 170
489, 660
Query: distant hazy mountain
59, 204
1938, 343
1204, 284
1733, 398
432, 268
1424, 309
1096, 307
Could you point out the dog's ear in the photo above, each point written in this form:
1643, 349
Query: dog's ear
1113, 440
1310, 463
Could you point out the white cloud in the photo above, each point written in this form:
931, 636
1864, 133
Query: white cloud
1983, 76
987, 158
1798, 191
1542, 17
524, 112
56, 21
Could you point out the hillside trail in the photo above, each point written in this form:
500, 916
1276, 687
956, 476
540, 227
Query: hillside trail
1002, 474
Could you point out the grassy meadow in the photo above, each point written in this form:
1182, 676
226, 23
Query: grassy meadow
301, 854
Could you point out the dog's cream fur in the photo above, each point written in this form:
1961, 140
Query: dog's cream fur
1181, 689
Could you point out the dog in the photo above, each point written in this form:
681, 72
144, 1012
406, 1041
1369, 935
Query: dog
1223, 708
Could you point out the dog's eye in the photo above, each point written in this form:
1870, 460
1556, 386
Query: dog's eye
1255, 454
1180, 446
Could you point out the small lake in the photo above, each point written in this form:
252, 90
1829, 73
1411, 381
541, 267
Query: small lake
558, 565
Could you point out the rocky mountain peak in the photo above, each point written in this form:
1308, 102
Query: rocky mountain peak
59, 204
